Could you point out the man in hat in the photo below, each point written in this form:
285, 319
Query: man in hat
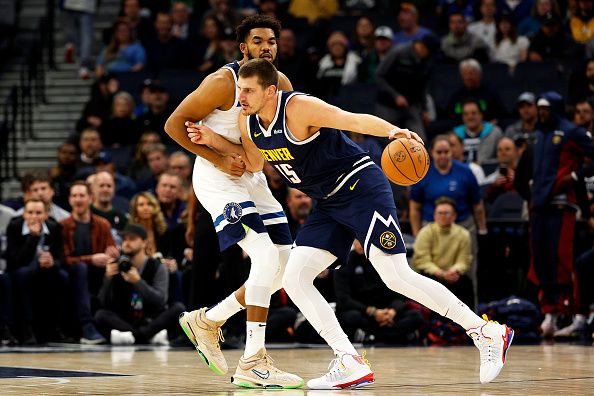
134, 294
551, 43
522, 131
158, 112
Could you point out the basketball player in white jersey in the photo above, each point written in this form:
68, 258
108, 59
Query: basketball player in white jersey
244, 212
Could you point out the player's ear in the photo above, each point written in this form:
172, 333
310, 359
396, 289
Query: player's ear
243, 48
271, 90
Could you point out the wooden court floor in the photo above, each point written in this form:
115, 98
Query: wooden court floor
534, 370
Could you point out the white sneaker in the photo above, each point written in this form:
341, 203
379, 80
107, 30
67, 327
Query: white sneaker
549, 325
492, 340
258, 371
345, 372
121, 337
575, 328
160, 338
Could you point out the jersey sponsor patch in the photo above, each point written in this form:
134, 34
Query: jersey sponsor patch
232, 212
388, 240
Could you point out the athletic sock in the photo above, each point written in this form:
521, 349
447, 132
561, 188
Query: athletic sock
254, 340
225, 309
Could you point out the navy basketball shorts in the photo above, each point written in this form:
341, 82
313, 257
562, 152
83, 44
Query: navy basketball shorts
363, 208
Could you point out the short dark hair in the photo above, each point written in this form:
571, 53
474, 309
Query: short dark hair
80, 183
264, 70
37, 176
475, 101
256, 21
445, 201
45, 206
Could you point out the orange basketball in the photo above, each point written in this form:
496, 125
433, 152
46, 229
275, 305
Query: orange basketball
405, 161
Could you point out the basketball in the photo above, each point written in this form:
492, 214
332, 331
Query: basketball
405, 161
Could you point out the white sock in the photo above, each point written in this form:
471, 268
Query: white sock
255, 336
225, 309
459, 313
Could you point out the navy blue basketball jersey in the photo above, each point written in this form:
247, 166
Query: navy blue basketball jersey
319, 165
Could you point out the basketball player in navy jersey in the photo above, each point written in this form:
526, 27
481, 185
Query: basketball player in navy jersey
301, 137
244, 212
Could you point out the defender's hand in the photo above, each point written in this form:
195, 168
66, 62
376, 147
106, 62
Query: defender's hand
232, 164
199, 134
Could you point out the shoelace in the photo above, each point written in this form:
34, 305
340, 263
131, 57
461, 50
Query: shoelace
336, 368
216, 335
486, 344
270, 364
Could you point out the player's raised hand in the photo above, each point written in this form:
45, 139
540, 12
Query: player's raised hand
404, 133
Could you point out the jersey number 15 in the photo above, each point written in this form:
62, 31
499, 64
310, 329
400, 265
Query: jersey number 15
287, 171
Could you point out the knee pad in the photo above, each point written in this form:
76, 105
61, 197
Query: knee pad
305, 263
265, 267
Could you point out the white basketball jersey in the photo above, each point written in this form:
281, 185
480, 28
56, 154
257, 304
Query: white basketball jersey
224, 122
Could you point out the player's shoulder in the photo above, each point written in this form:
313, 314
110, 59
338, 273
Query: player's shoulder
222, 77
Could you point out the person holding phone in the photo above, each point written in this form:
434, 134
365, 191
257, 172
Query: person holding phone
502, 180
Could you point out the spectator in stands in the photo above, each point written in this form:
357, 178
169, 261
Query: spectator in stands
502, 180
338, 67
179, 163
486, 26
581, 23
520, 10
34, 257
123, 53
367, 309
313, 9
474, 87
559, 151
363, 38
460, 44
6, 214
442, 251
88, 247
299, 206
369, 63
158, 162
408, 22
209, 53
90, 146
457, 148
551, 43
63, 173
134, 297
6, 318
139, 169
509, 48
479, 137
581, 83
38, 185
402, 84
445, 8
78, 29
158, 112
522, 131
292, 61
168, 188
183, 27
103, 188
120, 129
447, 178
584, 114
98, 108
531, 24
141, 26
165, 51
125, 187
146, 211
224, 13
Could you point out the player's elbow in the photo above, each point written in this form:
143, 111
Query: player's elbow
172, 123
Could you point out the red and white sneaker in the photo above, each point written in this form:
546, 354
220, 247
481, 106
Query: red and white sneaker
492, 340
345, 372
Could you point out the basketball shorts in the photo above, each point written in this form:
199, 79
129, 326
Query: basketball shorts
363, 208
239, 203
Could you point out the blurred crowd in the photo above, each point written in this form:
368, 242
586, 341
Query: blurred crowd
113, 237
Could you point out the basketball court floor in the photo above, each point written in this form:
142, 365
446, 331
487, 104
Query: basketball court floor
69, 370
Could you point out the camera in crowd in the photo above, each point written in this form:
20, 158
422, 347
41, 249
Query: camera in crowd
124, 263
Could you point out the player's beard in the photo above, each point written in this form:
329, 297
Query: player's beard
274, 60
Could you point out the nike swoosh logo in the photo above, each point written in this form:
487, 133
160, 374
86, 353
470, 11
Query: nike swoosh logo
257, 134
260, 374
354, 185
261, 325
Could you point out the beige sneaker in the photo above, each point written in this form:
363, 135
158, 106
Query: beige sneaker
258, 372
205, 334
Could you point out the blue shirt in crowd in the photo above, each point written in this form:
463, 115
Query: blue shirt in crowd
458, 184
126, 58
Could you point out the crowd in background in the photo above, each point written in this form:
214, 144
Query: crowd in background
504, 208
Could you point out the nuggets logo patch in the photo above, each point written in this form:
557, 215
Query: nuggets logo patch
556, 139
232, 212
388, 240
